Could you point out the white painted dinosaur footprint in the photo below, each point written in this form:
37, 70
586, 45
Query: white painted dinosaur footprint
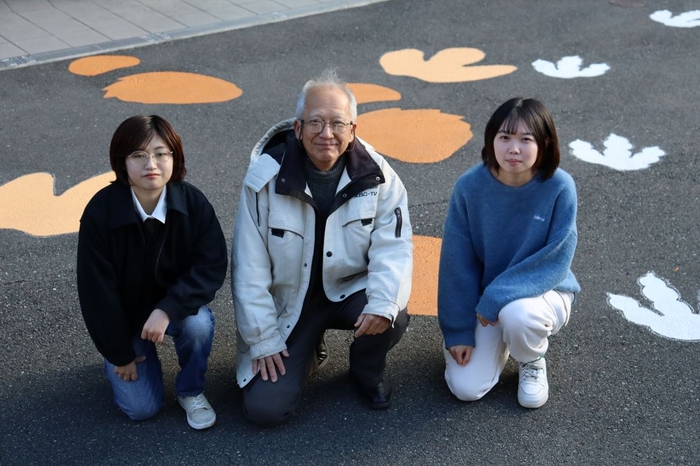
617, 155
689, 19
671, 317
569, 67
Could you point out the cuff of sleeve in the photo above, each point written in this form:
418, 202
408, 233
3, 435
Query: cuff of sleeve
382, 309
175, 312
488, 308
122, 358
466, 338
268, 347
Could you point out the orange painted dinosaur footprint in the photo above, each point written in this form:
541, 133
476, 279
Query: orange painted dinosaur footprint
446, 66
414, 136
29, 204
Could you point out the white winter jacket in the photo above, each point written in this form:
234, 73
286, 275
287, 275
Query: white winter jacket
367, 244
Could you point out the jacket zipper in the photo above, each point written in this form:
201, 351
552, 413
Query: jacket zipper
399, 221
257, 207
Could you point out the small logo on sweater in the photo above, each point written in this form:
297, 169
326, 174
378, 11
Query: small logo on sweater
540, 218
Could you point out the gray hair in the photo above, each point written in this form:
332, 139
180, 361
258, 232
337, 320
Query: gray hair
329, 78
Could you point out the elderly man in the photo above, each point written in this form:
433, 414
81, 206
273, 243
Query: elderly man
322, 240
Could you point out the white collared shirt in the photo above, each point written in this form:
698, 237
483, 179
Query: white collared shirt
159, 212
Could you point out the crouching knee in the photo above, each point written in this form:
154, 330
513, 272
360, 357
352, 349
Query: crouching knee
267, 412
141, 412
467, 387
199, 328
263, 415
466, 392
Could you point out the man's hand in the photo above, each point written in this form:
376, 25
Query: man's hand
128, 373
369, 324
155, 327
270, 365
461, 353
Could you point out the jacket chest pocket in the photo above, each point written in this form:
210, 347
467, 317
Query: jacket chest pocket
358, 222
285, 245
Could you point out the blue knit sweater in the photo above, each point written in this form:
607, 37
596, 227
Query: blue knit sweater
501, 244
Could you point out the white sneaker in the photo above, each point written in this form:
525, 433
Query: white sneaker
533, 389
200, 414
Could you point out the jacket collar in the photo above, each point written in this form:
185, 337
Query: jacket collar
291, 178
122, 205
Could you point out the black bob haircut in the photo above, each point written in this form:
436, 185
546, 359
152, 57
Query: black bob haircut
533, 114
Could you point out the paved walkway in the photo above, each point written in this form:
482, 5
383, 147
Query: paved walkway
37, 31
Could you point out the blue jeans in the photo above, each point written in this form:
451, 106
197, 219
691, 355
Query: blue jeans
143, 398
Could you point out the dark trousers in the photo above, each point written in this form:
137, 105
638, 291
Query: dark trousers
268, 403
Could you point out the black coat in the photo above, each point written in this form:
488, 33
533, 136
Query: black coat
118, 289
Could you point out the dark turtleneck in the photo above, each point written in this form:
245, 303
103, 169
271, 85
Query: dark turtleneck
323, 184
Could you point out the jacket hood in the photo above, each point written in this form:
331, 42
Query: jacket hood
280, 127
266, 160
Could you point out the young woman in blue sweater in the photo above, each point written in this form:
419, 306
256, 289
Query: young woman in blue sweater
505, 280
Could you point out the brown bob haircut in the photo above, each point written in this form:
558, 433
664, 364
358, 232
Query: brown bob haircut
134, 134
536, 117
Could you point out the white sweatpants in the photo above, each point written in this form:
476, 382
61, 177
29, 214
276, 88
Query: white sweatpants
522, 331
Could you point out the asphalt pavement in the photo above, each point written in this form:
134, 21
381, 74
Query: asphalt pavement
620, 392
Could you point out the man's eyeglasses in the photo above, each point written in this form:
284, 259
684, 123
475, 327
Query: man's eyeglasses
141, 157
317, 126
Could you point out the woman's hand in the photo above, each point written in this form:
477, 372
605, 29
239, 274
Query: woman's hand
128, 373
155, 327
461, 353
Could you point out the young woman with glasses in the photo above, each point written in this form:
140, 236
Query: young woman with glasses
151, 256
